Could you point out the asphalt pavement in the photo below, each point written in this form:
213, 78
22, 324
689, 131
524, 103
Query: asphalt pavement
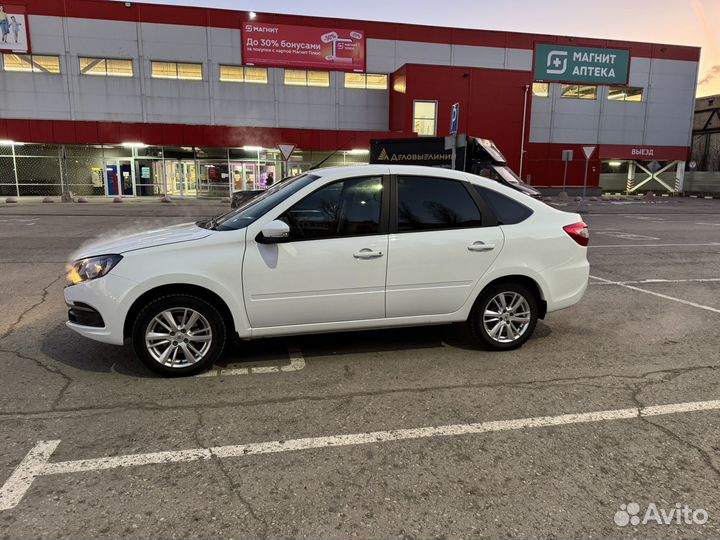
605, 419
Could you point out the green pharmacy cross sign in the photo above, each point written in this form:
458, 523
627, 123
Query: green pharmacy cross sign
581, 64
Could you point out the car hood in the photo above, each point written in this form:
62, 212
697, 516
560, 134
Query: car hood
131, 241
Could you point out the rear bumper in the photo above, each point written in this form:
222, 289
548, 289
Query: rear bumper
567, 285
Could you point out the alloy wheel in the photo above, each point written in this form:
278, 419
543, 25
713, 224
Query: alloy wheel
178, 337
506, 317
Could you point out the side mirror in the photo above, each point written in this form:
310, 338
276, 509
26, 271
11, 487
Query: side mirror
274, 232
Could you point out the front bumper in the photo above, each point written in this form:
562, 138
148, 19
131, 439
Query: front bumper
84, 315
98, 308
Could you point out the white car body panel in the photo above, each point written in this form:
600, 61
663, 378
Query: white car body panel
319, 286
434, 272
183, 232
314, 281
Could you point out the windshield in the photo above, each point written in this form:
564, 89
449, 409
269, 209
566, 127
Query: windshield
259, 205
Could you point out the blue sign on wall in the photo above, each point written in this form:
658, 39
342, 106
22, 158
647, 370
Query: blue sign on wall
454, 118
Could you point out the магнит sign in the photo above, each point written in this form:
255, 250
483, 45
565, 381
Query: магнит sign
303, 47
581, 64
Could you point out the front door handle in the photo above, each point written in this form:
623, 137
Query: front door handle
481, 246
367, 253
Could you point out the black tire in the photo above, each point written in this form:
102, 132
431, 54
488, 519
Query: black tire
208, 317
477, 324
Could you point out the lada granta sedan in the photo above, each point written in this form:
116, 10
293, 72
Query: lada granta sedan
335, 249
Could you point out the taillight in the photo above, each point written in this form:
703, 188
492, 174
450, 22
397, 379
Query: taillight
578, 232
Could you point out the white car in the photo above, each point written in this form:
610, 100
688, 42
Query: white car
335, 249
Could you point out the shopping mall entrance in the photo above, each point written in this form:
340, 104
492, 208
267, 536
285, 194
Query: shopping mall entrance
181, 178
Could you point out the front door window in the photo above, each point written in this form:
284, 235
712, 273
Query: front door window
350, 207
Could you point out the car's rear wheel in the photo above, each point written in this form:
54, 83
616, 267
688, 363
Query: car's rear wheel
178, 334
504, 317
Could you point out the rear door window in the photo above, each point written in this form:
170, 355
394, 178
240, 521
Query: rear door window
428, 203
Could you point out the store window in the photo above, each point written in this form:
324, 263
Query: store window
625, 93
540, 89
347, 208
176, 70
256, 75
578, 91
243, 74
301, 77
106, 67
31, 63
425, 118
426, 203
367, 81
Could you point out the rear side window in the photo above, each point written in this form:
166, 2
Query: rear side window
507, 211
426, 203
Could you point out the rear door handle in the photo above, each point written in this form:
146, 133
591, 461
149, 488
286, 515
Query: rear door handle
481, 246
367, 253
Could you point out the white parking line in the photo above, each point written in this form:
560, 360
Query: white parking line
650, 281
22, 477
624, 235
644, 218
29, 222
36, 463
297, 362
659, 295
713, 224
651, 245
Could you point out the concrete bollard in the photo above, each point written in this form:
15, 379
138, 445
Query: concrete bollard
593, 199
67, 196
118, 200
226, 200
48, 200
578, 199
11, 200
82, 199
582, 205
166, 199
563, 196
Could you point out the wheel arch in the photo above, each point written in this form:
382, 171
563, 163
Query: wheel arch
529, 282
178, 288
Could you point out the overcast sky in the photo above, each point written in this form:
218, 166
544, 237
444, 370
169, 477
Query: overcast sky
684, 22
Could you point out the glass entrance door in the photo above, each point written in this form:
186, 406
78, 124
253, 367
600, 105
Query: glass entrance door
120, 177
181, 178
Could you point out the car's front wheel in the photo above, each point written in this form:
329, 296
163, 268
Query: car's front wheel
178, 334
504, 317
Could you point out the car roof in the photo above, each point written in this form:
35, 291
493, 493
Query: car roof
392, 169
417, 170
359, 170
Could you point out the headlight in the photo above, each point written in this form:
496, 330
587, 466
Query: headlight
91, 268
